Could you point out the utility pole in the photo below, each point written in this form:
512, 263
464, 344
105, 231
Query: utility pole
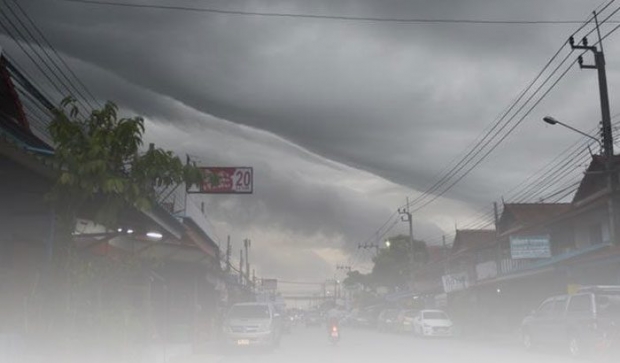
606, 129
241, 266
228, 253
246, 244
444, 245
405, 216
495, 216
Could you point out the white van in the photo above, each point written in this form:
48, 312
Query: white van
253, 324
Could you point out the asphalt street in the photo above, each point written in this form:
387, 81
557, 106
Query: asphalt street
369, 346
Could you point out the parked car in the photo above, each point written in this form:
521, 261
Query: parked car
584, 323
405, 320
433, 323
387, 320
252, 324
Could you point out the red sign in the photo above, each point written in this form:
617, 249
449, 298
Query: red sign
235, 180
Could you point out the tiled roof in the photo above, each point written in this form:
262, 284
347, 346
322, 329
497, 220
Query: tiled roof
524, 215
595, 178
470, 239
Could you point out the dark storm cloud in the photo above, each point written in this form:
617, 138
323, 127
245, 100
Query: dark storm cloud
295, 191
397, 100
376, 96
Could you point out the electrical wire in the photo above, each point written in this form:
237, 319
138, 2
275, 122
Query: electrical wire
469, 157
19, 44
324, 17
56, 53
25, 40
435, 197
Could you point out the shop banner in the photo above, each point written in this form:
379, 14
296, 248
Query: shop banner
523, 247
455, 282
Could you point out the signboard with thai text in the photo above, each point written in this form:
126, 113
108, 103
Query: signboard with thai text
523, 247
455, 282
225, 180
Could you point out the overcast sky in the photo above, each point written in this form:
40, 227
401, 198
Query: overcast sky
341, 120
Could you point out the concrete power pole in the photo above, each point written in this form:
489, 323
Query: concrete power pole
228, 253
607, 136
241, 266
406, 217
246, 244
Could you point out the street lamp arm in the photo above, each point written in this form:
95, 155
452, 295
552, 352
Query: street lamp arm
552, 121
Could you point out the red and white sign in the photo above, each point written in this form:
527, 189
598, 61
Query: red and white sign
224, 180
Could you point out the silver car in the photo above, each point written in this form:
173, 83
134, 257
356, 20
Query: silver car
252, 324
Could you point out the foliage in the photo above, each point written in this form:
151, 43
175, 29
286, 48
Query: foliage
393, 265
356, 278
102, 164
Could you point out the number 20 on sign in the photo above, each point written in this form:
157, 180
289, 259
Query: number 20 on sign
226, 180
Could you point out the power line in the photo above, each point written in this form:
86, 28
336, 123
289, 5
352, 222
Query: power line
58, 56
563, 188
19, 44
42, 49
436, 196
474, 152
518, 122
563, 191
23, 38
477, 149
466, 159
326, 17
568, 154
41, 95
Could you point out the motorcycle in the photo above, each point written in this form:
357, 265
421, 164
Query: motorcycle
334, 334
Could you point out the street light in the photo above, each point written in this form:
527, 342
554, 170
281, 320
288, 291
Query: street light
552, 121
608, 152
387, 243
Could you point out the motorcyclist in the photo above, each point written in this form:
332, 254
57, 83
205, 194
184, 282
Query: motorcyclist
333, 317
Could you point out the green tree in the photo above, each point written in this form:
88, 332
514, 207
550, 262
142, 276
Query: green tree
103, 172
393, 265
355, 278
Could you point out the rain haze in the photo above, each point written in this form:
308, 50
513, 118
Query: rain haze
399, 167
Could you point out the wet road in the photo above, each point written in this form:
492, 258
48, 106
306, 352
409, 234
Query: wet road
368, 346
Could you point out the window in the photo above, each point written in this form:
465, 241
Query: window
560, 306
249, 312
608, 305
580, 304
546, 308
435, 315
